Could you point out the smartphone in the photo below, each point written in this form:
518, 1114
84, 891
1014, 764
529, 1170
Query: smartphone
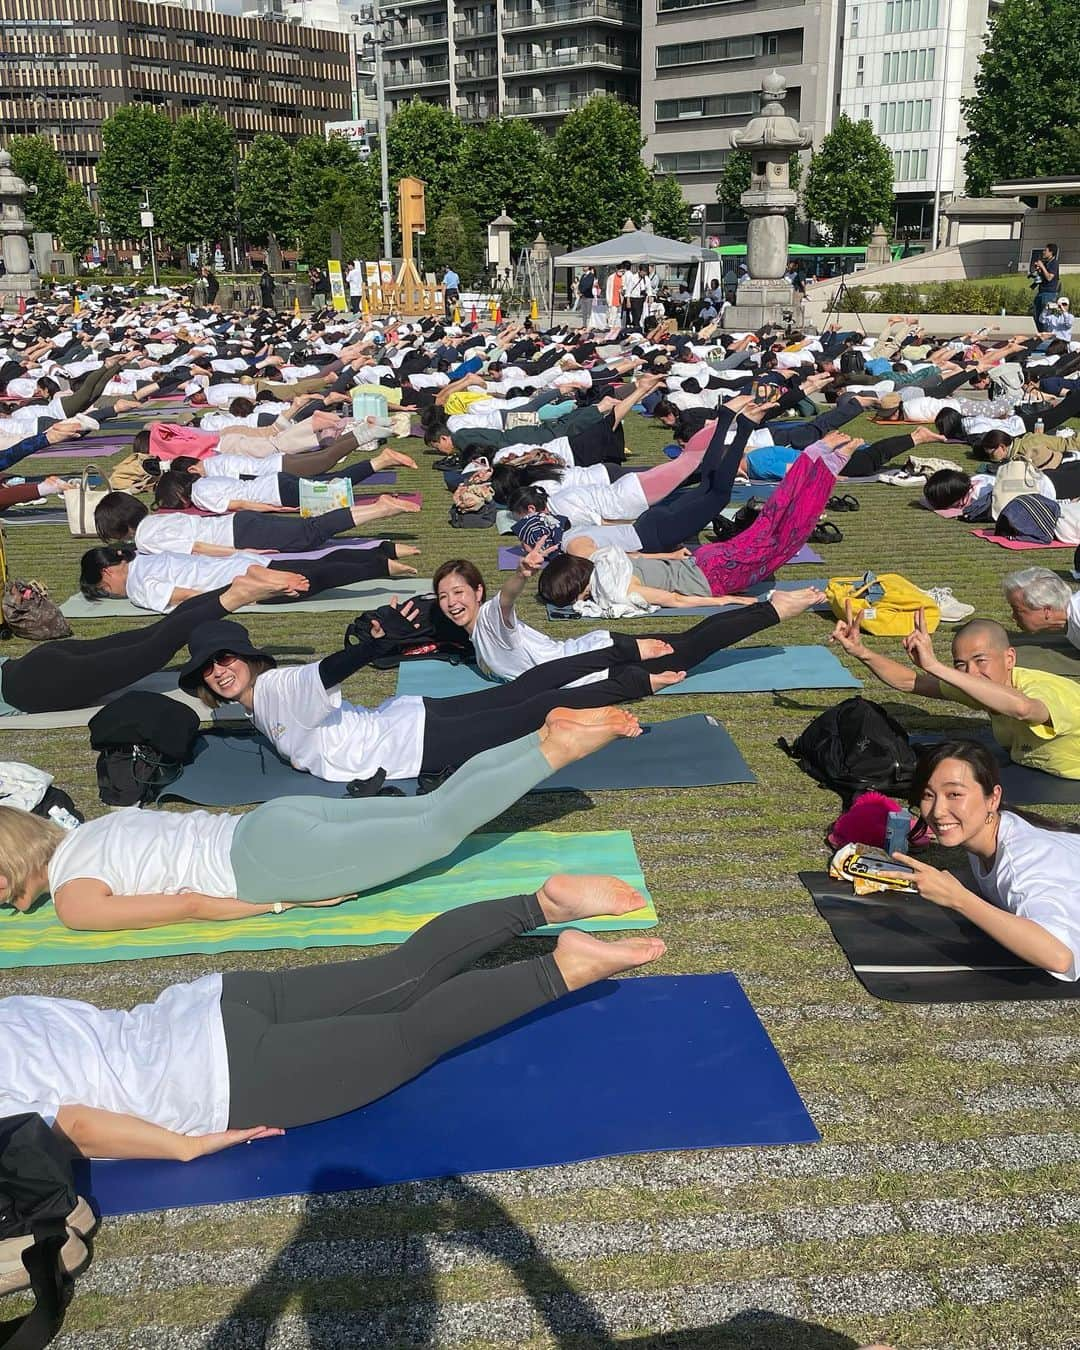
761, 393
897, 830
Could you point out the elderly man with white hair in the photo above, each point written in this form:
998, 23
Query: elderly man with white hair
1043, 602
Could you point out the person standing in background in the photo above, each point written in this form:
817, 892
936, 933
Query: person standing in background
586, 289
451, 290
614, 292
355, 279
1046, 273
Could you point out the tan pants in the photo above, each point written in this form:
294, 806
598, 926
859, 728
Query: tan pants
255, 442
313, 384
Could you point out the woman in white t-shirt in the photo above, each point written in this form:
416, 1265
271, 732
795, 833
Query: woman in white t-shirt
141, 869
232, 1058
1027, 896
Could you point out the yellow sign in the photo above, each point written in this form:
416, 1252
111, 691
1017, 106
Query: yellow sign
337, 286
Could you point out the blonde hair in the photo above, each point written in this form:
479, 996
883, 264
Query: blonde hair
27, 843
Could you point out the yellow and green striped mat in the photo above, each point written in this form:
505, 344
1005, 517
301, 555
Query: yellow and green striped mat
485, 867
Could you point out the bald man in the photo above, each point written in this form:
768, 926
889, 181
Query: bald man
1035, 716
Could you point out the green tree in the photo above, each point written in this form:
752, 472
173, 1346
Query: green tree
735, 180
200, 184
424, 141
505, 165
264, 181
1026, 95
849, 188
76, 224
669, 210
598, 178
353, 209
135, 143
35, 159
323, 169
456, 240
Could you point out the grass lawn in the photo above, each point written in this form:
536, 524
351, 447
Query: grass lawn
940, 1210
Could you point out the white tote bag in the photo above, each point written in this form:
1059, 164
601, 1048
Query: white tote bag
81, 502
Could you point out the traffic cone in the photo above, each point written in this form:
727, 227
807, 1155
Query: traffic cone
296, 306
498, 313
493, 309
77, 306
456, 315
534, 311
22, 304
472, 313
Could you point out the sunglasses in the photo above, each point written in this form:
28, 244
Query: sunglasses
220, 659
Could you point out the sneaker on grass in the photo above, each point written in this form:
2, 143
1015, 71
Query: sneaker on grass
952, 610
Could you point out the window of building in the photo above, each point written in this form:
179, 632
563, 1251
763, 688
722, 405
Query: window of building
912, 114
908, 16
860, 70
664, 6
712, 105
718, 49
908, 67
854, 21
691, 161
910, 166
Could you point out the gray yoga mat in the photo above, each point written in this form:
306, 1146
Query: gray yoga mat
34, 515
236, 770
358, 596
164, 682
760, 589
737, 670
1055, 655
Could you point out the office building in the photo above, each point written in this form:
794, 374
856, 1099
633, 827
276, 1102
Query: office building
907, 65
66, 65
702, 63
526, 58
352, 17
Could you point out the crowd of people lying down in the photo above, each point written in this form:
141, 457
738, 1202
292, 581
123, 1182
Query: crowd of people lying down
530, 426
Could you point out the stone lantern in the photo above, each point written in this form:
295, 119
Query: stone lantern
771, 138
14, 231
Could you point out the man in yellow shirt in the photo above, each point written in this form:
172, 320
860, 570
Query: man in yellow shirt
1034, 716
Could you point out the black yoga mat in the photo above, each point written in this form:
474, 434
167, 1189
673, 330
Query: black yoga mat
230, 769
906, 950
1022, 786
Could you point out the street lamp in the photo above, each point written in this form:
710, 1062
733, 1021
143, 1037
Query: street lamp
146, 220
382, 22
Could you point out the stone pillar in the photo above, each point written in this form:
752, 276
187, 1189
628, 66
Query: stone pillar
499, 245
771, 138
14, 232
878, 251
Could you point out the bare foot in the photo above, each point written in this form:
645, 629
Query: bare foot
921, 435
569, 734
400, 569
250, 588
406, 551
389, 505
788, 604
583, 959
564, 898
390, 459
665, 678
650, 648
295, 584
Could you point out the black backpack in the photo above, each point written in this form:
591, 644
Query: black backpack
37, 1197
856, 747
143, 741
481, 519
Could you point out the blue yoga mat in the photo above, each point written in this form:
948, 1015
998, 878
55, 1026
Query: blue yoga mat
629, 1066
760, 588
737, 670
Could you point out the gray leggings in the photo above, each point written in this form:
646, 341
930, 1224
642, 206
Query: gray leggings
313, 848
308, 1044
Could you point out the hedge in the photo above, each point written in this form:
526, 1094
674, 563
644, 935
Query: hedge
1014, 296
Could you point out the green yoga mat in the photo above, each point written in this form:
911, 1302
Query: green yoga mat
738, 670
1056, 656
358, 596
484, 867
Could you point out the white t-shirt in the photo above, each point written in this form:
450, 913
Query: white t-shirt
215, 494
1072, 620
509, 650
588, 503
175, 532
241, 466
140, 852
1033, 875
319, 732
152, 577
165, 1062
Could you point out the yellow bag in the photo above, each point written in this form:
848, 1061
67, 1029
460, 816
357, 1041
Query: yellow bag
888, 614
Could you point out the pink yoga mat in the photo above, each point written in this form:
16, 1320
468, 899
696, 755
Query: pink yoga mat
405, 496
1003, 541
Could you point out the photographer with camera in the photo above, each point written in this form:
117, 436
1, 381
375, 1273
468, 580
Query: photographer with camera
1046, 277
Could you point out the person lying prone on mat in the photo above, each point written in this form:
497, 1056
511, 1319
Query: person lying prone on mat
506, 647
161, 581
143, 869
1025, 866
232, 1058
301, 710
120, 517
1034, 716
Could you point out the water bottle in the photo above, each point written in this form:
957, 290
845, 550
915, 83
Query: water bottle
1039, 426
61, 816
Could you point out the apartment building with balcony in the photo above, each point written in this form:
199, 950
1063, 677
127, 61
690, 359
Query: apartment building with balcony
66, 65
907, 65
529, 58
702, 62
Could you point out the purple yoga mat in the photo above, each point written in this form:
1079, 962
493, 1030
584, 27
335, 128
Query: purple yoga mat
85, 450
384, 479
331, 548
805, 555
509, 557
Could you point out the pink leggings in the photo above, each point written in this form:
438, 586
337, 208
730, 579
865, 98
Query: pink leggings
660, 481
784, 525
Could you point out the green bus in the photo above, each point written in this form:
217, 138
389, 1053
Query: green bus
819, 260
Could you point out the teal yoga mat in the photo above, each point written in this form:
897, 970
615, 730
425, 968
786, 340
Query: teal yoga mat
358, 596
738, 670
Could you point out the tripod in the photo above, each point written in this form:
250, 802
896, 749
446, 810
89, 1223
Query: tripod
832, 313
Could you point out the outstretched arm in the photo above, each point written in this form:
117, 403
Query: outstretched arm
531, 565
110, 1134
848, 635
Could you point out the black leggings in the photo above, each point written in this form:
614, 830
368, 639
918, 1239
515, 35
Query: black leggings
457, 728
871, 459
289, 483
288, 534
80, 672
681, 515
801, 434
1057, 416
340, 568
311, 1043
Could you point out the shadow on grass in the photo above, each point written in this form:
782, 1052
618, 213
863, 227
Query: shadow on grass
320, 1281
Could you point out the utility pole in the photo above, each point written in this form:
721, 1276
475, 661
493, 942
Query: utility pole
146, 219
383, 33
